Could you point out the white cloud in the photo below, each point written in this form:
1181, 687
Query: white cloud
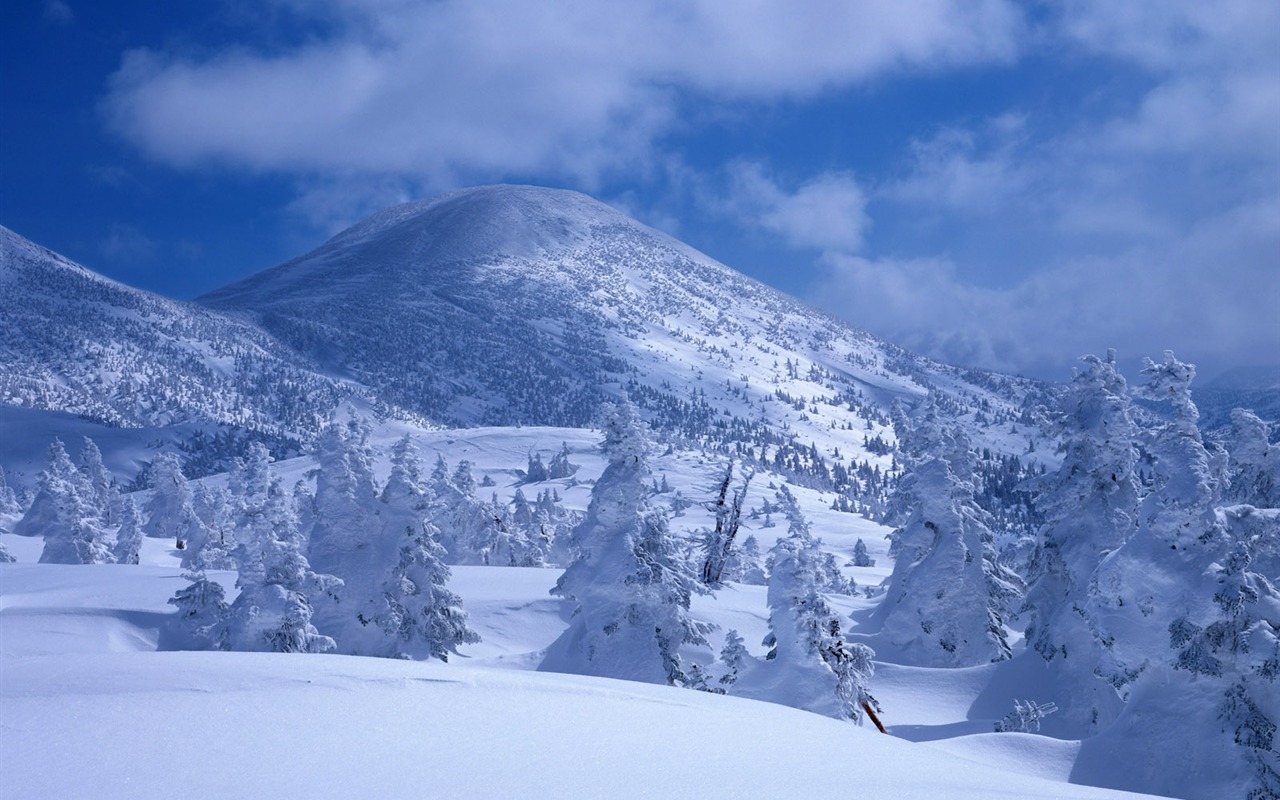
1200, 294
441, 89
827, 213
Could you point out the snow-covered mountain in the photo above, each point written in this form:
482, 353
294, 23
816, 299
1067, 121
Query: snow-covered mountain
524, 305
78, 342
494, 306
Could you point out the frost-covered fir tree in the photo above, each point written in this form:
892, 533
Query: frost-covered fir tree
9, 505
273, 610
746, 564
202, 619
948, 593
1202, 715
345, 499
56, 485
630, 588
811, 665
104, 492
559, 466
1175, 540
860, 556
1191, 629
170, 514
63, 514
129, 536
733, 656
474, 531
215, 510
1090, 508
415, 612
1254, 462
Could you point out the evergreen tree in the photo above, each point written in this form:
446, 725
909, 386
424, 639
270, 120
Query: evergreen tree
630, 588
1254, 464
171, 511
560, 466
104, 492
825, 673
733, 656
60, 488
5, 556
9, 505
417, 613
345, 501
860, 556
129, 537
64, 515
215, 511
1176, 537
1090, 508
202, 619
949, 593
1203, 662
272, 612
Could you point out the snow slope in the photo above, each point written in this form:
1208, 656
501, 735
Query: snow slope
80, 687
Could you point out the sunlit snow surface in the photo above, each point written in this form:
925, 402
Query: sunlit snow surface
89, 711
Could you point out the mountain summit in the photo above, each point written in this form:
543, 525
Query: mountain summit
524, 305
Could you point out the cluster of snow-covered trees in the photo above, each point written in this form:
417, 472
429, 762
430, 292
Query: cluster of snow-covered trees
631, 589
1151, 594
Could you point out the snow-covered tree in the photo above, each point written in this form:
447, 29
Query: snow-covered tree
732, 656
718, 543
559, 467
215, 510
345, 500
1254, 465
820, 670
202, 619
104, 492
1176, 538
1090, 508
129, 536
60, 492
630, 588
536, 472
63, 514
171, 512
1190, 631
948, 593
9, 505
273, 610
5, 556
417, 614
746, 564
1025, 717
860, 556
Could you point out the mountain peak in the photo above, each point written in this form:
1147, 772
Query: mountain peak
484, 221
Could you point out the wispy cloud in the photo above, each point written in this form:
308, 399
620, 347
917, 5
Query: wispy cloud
826, 212
443, 89
58, 12
125, 244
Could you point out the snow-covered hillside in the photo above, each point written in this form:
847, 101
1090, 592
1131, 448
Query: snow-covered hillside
80, 343
524, 305
78, 679
416, 443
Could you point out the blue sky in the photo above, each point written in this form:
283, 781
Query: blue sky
994, 183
